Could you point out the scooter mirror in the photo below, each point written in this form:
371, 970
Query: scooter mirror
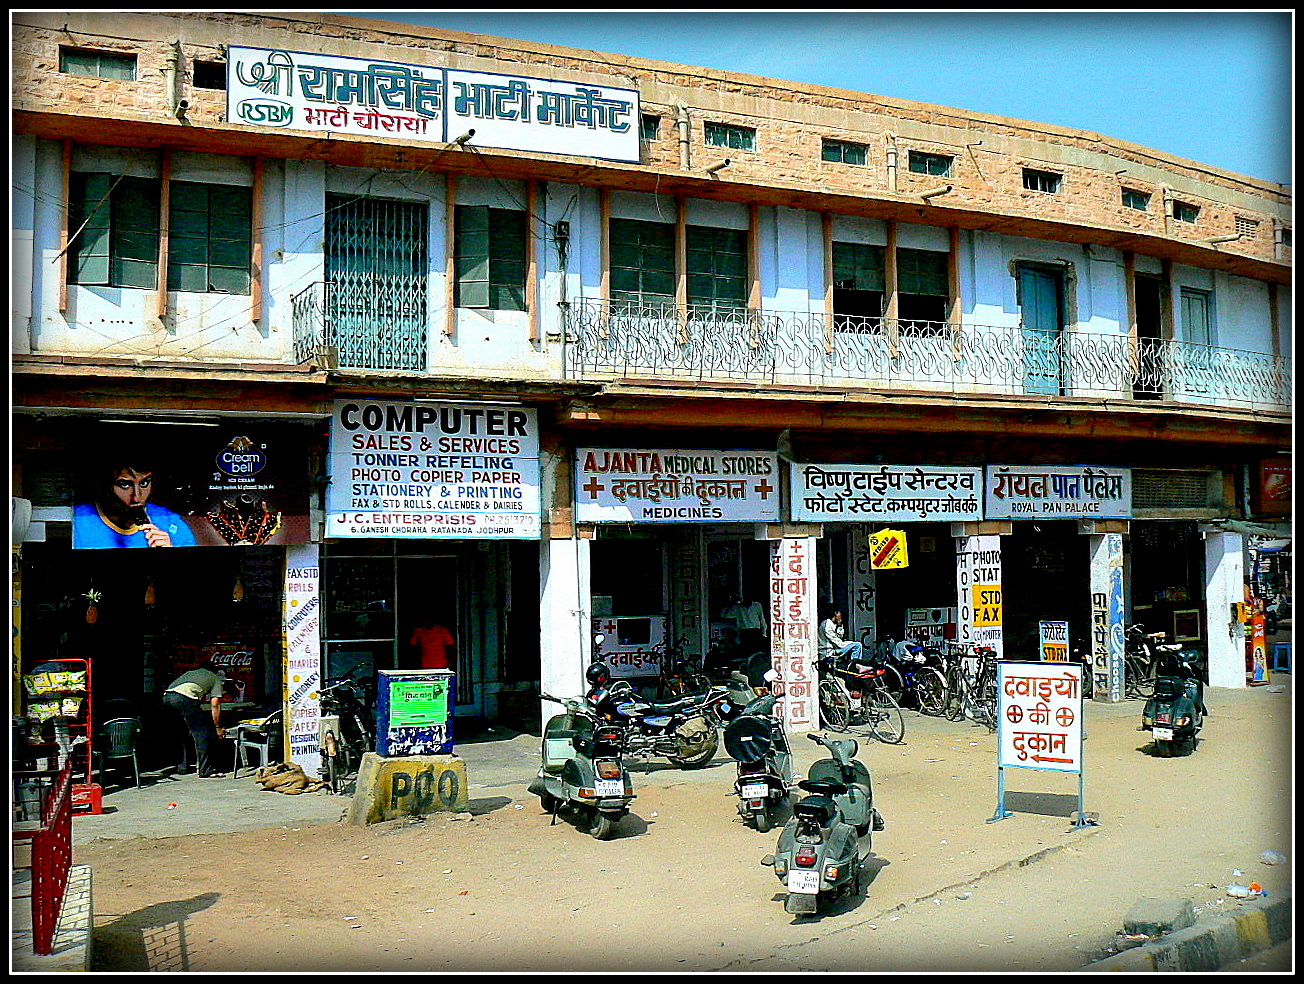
767, 861
771, 675
597, 639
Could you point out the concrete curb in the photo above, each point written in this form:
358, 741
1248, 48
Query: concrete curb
1212, 943
72, 937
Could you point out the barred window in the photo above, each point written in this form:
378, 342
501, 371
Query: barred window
1246, 227
1047, 181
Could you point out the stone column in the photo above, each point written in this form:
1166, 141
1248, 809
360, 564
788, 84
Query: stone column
1224, 586
565, 619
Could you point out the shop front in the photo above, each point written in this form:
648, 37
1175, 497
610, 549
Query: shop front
159, 548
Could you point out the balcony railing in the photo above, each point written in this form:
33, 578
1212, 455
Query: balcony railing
651, 340
362, 321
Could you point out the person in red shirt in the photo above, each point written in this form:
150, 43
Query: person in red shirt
434, 643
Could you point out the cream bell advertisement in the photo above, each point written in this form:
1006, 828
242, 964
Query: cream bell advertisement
432, 470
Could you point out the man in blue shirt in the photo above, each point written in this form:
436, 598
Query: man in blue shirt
123, 516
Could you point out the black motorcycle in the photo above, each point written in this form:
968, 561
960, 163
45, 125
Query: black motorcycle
1175, 713
685, 731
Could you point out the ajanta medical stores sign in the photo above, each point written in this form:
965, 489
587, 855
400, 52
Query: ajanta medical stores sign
360, 96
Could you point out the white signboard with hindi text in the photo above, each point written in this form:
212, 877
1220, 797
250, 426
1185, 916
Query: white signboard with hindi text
1058, 492
621, 485
433, 470
886, 493
428, 104
1039, 724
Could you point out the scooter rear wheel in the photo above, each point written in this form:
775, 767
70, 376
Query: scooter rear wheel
762, 820
601, 827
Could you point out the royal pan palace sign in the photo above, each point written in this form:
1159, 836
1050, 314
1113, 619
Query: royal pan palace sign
330, 93
622, 485
1058, 492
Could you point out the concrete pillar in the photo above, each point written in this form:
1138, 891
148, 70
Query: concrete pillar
794, 625
862, 601
1224, 586
979, 609
565, 619
1107, 628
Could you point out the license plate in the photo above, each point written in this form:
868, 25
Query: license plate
608, 787
804, 882
757, 790
1163, 734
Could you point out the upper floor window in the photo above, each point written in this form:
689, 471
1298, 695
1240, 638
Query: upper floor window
209, 75
937, 164
1047, 181
858, 286
1248, 228
844, 152
649, 126
1185, 211
717, 267
923, 288
732, 137
489, 244
98, 64
113, 222
1285, 236
1138, 200
642, 261
210, 238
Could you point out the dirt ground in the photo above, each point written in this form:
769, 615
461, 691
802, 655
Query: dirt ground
681, 888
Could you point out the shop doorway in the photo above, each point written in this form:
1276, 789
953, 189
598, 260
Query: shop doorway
1046, 577
1166, 561
928, 583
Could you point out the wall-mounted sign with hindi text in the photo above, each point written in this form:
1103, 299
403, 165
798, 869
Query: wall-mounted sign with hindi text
886, 493
620, 485
423, 103
1058, 492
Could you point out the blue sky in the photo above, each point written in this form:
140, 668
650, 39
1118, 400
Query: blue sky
1216, 87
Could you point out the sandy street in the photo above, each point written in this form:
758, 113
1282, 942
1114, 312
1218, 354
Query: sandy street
681, 888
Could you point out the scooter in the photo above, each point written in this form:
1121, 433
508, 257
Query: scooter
581, 771
819, 850
757, 741
1175, 713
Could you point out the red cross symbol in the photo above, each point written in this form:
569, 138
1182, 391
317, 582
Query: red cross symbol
764, 488
593, 487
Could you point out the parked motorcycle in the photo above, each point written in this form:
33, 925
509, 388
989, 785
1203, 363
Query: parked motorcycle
685, 731
819, 850
756, 740
346, 728
580, 769
1175, 713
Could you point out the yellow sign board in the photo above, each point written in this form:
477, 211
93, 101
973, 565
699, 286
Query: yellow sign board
887, 550
986, 604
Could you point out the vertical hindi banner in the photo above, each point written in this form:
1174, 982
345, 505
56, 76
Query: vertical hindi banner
792, 629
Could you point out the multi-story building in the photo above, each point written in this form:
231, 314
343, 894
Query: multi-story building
542, 342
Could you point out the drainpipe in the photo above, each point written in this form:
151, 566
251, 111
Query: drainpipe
172, 75
891, 162
683, 136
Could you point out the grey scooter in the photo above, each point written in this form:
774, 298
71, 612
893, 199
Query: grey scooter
821, 848
581, 771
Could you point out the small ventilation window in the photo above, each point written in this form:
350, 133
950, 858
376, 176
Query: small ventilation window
210, 75
1047, 181
1170, 489
97, 64
1185, 211
1138, 200
650, 126
732, 137
1249, 228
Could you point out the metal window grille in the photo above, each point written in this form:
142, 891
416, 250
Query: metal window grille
1170, 489
1246, 227
377, 260
1047, 181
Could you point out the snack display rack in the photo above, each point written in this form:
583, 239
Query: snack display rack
63, 695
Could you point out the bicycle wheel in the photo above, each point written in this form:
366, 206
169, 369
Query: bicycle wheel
955, 694
893, 682
930, 691
884, 718
1139, 682
835, 708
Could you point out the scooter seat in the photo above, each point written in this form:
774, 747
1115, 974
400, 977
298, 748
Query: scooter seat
823, 787
820, 809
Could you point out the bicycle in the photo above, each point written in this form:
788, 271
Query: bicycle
849, 699
981, 682
680, 675
910, 677
957, 693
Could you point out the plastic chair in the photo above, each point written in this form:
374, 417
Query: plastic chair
119, 737
264, 738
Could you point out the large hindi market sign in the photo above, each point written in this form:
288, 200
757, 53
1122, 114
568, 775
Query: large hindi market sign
336, 94
402, 470
616, 485
886, 493
1058, 492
